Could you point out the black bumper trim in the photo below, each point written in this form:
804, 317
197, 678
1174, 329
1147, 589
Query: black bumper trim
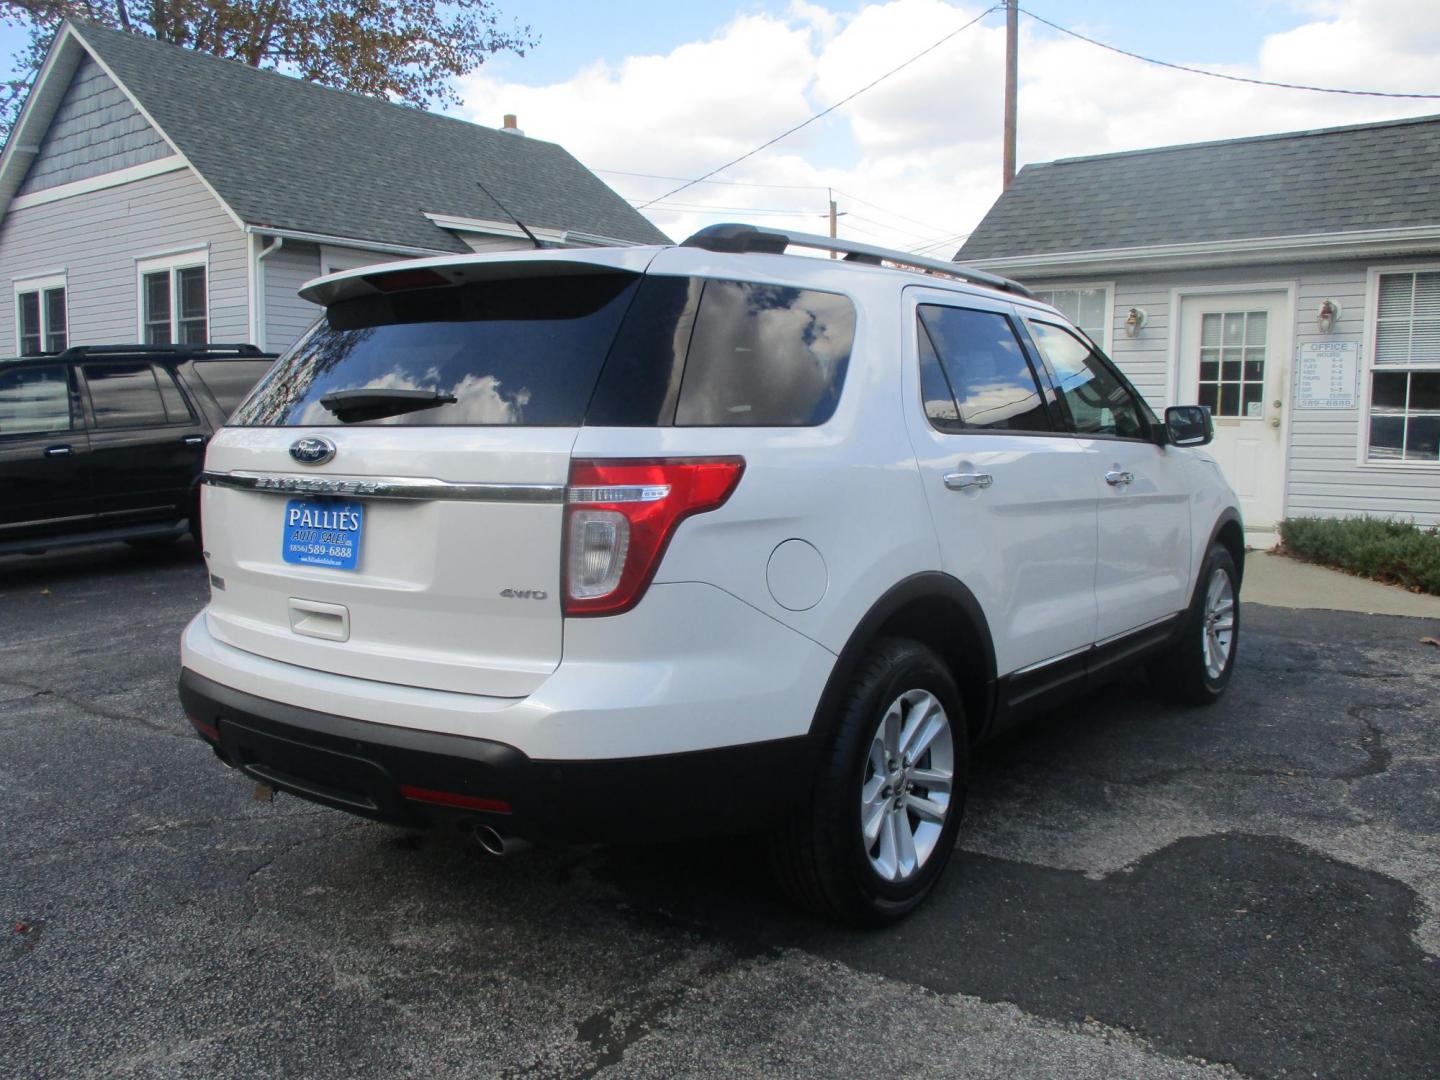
359, 766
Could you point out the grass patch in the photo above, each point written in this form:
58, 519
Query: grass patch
1395, 552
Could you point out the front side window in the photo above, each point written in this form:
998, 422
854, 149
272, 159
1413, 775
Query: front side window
173, 305
40, 319
1405, 377
1088, 307
34, 400
1097, 401
974, 375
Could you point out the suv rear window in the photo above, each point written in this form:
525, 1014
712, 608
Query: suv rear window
521, 352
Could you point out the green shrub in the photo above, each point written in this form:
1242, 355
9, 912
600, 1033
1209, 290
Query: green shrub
1397, 552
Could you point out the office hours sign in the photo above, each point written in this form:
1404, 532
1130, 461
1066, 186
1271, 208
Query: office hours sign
1326, 375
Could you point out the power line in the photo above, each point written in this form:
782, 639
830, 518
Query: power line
883, 210
727, 183
1219, 75
824, 112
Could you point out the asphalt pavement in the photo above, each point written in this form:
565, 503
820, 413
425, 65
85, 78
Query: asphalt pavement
1142, 890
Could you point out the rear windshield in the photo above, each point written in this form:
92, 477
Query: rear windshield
524, 352
608, 349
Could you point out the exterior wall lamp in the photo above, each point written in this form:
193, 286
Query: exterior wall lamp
1326, 315
1134, 322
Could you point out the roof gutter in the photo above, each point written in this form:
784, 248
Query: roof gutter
1366, 243
345, 241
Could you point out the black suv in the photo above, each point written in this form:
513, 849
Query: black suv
106, 442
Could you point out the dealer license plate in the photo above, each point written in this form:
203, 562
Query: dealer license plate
323, 532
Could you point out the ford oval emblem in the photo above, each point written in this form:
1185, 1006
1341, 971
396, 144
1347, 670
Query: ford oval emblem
312, 450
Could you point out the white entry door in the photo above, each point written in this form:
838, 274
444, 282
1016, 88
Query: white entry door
1234, 351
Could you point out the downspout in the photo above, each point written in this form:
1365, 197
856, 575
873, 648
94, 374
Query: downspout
265, 252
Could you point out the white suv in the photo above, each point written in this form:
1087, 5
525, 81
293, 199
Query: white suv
641, 542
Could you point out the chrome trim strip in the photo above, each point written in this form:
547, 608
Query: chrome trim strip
1052, 660
420, 489
1137, 629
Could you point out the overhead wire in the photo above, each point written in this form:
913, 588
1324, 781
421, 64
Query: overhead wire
824, 112
1221, 75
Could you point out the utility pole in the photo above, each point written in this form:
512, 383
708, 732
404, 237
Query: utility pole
833, 218
1012, 64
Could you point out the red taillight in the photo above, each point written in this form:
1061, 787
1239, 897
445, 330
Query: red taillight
210, 731
619, 517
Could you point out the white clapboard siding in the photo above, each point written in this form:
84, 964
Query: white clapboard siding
283, 272
96, 239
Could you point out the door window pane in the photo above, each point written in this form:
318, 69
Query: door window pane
124, 395
34, 400
190, 286
30, 337
993, 385
1232, 363
157, 308
1098, 402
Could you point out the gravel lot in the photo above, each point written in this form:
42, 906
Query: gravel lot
1143, 891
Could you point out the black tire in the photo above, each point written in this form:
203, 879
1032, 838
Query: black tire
1183, 672
819, 855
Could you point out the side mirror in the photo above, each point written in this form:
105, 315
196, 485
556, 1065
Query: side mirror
1188, 425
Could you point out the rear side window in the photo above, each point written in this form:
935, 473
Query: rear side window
34, 400
127, 395
974, 373
521, 352
697, 352
230, 380
765, 356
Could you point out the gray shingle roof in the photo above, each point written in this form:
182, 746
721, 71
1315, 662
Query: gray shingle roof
1370, 176
288, 154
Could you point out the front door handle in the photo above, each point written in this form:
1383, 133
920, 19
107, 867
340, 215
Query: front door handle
194, 440
961, 481
1116, 477
62, 450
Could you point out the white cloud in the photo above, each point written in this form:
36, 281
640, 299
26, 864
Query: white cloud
924, 146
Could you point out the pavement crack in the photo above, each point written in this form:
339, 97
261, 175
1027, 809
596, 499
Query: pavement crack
92, 708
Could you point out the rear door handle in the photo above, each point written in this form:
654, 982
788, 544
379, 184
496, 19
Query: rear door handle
961, 481
194, 440
62, 450
1115, 478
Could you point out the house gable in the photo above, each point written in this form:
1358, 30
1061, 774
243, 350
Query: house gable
96, 130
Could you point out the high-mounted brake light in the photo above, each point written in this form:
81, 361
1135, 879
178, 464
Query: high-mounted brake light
619, 517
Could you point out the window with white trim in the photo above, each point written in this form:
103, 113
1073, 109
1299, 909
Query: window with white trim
1088, 307
174, 301
40, 315
1405, 375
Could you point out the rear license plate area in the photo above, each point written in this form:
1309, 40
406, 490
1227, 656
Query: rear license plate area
323, 532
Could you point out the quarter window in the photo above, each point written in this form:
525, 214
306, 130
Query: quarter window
1405, 380
40, 318
974, 374
173, 305
34, 400
1097, 401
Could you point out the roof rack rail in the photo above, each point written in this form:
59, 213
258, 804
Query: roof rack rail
215, 350
742, 239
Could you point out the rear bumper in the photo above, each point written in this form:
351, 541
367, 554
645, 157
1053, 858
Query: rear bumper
425, 778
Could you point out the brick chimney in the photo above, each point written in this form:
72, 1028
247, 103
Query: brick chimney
511, 126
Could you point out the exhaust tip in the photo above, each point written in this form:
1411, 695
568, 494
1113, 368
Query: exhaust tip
489, 839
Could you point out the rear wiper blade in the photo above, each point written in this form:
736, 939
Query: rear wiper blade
354, 406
